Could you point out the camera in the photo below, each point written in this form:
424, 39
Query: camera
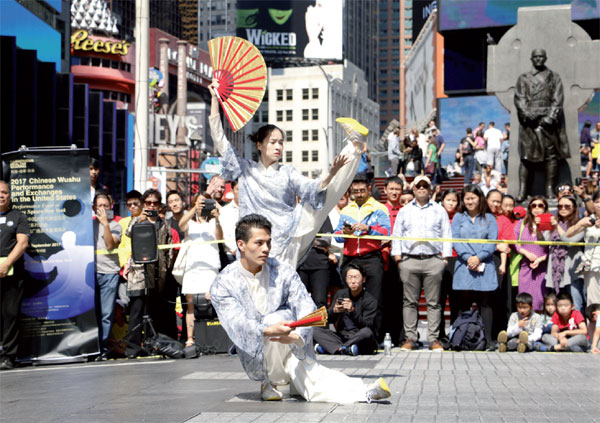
339, 301
577, 181
593, 220
209, 206
151, 213
110, 214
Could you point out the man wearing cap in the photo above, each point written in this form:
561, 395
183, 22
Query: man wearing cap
422, 263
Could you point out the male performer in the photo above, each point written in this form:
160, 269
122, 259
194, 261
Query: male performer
255, 297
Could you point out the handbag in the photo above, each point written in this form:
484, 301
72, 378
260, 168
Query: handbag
430, 168
179, 266
515, 263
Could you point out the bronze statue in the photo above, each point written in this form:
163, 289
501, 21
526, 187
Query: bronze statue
542, 136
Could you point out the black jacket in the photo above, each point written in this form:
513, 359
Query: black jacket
365, 309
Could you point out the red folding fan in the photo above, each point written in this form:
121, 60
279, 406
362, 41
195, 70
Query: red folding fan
241, 72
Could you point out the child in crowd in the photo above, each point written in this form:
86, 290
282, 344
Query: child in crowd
569, 331
524, 327
593, 313
549, 310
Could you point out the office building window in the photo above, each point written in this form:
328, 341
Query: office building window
265, 116
315, 114
288, 156
305, 155
305, 135
315, 93
279, 95
315, 155
304, 114
279, 115
315, 174
315, 135
288, 95
304, 93
305, 174
288, 115
289, 135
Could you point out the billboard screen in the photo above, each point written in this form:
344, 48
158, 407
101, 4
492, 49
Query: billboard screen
310, 29
421, 9
461, 14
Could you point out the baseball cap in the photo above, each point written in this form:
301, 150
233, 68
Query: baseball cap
519, 212
421, 178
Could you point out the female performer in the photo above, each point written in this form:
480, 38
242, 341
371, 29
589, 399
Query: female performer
271, 189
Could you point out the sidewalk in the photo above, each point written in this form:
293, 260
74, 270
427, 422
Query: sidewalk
426, 387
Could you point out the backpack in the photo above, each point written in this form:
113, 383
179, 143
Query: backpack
466, 333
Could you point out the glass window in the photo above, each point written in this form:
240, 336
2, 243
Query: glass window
305, 135
305, 174
288, 135
288, 115
279, 95
288, 156
315, 93
288, 94
315, 174
315, 114
279, 115
315, 155
304, 93
265, 116
315, 135
304, 114
305, 158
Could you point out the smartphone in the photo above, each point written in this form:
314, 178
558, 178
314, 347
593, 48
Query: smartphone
110, 214
209, 206
151, 213
577, 181
339, 301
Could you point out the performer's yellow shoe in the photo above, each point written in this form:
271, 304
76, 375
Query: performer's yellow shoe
269, 392
378, 390
353, 128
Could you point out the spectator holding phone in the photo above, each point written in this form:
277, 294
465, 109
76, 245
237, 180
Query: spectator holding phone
146, 282
200, 225
532, 270
107, 236
353, 312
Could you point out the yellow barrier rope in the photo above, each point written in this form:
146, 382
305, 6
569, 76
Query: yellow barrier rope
396, 238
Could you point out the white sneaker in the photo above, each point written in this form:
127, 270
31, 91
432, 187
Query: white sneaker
378, 390
269, 392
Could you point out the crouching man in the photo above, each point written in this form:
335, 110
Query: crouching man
353, 312
255, 297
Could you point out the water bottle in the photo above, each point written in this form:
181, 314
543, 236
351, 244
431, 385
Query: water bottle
387, 344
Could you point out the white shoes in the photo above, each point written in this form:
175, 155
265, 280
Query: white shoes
378, 390
269, 392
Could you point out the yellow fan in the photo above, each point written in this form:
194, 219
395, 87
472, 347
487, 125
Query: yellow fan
241, 72
353, 128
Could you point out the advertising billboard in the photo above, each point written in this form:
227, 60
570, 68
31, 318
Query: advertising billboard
310, 29
420, 77
461, 14
421, 9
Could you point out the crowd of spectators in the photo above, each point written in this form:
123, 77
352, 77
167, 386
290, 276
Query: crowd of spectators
530, 296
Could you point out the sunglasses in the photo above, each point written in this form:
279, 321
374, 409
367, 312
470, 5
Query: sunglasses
565, 207
564, 188
538, 206
134, 204
151, 203
422, 185
358, 191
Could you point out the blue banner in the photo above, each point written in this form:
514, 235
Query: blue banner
52, 188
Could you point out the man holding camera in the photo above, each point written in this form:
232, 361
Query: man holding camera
146, 283
353, 312
107, 236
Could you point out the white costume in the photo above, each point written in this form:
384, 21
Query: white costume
272, 193
277, 294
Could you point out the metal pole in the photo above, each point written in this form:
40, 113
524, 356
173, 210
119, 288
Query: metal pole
181, 90
142, 38
330, 140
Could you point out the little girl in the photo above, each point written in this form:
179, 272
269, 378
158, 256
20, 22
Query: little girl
549, 310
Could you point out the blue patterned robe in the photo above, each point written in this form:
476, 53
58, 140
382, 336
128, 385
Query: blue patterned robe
286, 297
270, 192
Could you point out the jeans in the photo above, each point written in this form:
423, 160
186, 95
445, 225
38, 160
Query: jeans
469, 162
577, 343
106, 294
578, 294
